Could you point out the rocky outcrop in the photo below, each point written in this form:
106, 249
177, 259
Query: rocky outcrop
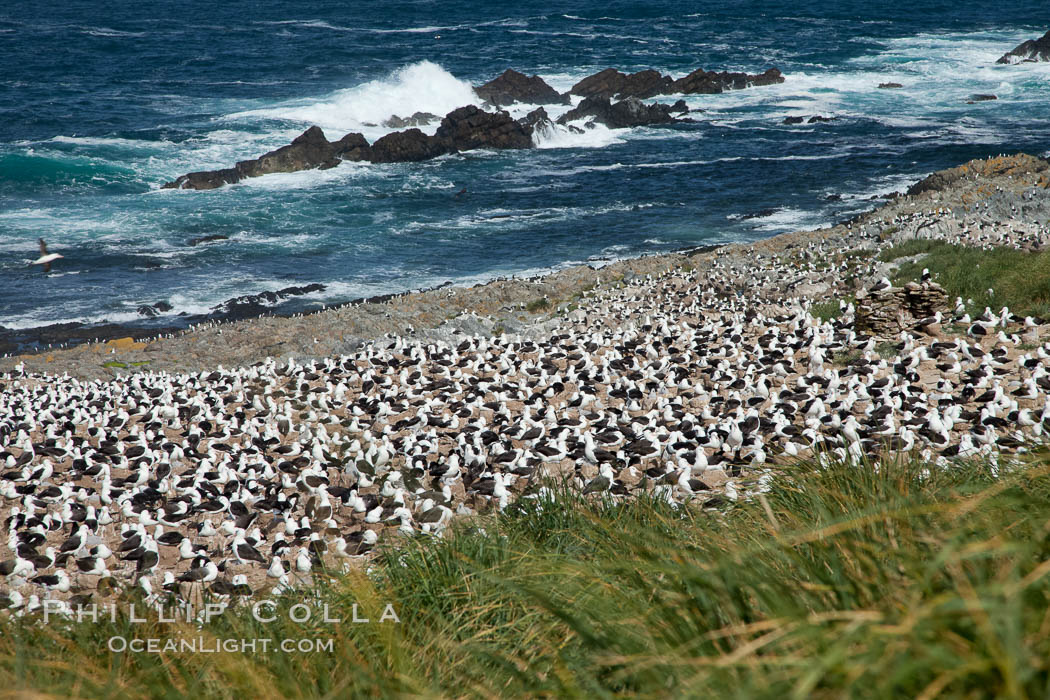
512, 86
977, 97
154, 310
611, 83
888, 311
204, 180
462, 129
1012, 166
417, 119
1030, 51
309, 150
890, 86
251, 305
406, 147
619, 115
469, 127
701, 82
815, 119
536, 116
539, 124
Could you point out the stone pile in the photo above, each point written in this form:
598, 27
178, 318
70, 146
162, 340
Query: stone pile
885, 312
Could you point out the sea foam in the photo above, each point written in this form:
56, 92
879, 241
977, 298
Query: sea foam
419, 87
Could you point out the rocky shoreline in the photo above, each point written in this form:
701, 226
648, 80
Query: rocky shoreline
519, 305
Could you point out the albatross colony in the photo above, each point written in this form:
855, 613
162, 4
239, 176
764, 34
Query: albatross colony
692, 384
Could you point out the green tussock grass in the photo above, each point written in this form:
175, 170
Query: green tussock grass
1020, 280
845, 581
829, 310
537, 305
826, 310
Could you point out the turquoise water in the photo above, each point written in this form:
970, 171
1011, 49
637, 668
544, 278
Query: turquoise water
100, 104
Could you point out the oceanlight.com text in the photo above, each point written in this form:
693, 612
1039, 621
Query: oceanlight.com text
211, 645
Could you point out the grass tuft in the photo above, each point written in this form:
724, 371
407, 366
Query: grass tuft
890, 580
1020, 279
537, 305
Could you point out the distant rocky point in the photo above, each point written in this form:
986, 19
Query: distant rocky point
1031, 51
470, 127
1013, 166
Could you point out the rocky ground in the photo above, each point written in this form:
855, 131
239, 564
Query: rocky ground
246, 455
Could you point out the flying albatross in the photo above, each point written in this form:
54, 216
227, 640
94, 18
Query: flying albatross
45, 258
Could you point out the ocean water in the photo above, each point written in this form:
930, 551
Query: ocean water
101, 103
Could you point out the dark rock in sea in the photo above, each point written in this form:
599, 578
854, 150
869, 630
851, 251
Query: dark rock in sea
206, 239
417, 119
889, 86
468, 127
833, 198
251, 305
309, 150
512, 86
760, 214
701, 82
407, 146
204, 180
648, 83
981, 98
536, 116
154, 310
1030, 51
815, 119
538, 122
611, 83
623, 114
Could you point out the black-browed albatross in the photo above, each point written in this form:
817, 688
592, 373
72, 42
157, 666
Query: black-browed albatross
46, 258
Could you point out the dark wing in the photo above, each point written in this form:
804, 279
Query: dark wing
43, 247
47, 268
